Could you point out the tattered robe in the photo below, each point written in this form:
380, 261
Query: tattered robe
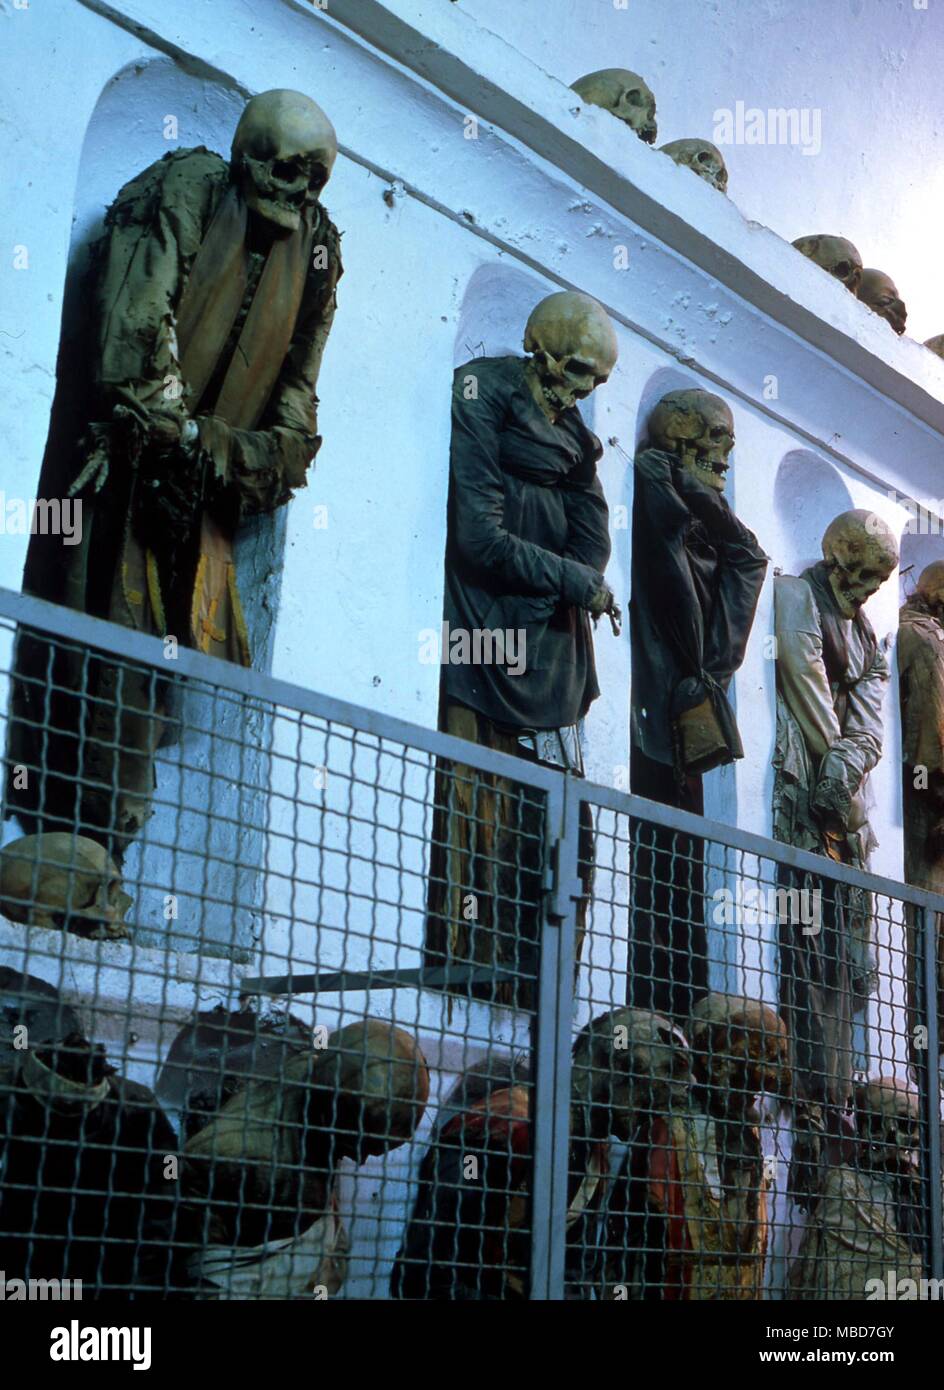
831, 680
179, 313
851, 1239
921, 691
697, 575
528, 541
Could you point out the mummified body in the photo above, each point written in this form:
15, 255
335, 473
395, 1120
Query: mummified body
689, 1218
185, 405
469, 1234
84, 1194
527, 545
921, 690
867, 1227
259, 1179
831, 679
697, 575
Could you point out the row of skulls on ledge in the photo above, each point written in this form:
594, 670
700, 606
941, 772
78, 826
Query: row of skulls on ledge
264, 1119
629, 98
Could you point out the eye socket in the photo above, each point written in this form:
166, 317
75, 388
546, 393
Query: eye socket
287, 169
843, 269
717, 432
578, 368
318, 178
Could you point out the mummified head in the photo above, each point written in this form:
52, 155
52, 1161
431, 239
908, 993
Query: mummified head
888, 1118
628, 1063
283, 153
572, 345
930, 587
625, 95
703, 158
936, 344
63, 881
739, 1050
880, 293
698, 428
861, 552
836, 255
375, 1083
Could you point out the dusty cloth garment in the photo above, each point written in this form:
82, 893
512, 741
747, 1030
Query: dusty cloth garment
697, 576
485, 895
852, 1238
831, 680
528, 541
469, 1238
84, 1194
179, 312
921, 691
279, 1269
258, 1171
690, 1220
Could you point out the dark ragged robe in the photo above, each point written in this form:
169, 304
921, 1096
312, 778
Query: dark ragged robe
697, 576
921, 691
179, 313
527, 544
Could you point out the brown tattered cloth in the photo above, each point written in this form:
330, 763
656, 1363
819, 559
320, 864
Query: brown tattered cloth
211, 302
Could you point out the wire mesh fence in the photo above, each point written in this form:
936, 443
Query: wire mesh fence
298, 1000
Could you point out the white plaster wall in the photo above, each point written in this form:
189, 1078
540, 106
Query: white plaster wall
357, 591
870, 67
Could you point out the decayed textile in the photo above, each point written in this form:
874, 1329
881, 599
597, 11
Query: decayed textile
468, 1237
528, 541
181, 313
852, 1238
831, 680
689, 1215
697, 575
485, 892
921, 690
292, 1268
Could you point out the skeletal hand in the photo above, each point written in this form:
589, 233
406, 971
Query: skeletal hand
601, 600
95, 472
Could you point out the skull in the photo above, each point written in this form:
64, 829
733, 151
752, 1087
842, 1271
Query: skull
739, 1049
931, 587
627, 1063
625, 95
699, 429
378, 1086
878, 291
888, 1123
703, 158
861, 552
936, 345
65, 882
836, 255
283, 152
572, 345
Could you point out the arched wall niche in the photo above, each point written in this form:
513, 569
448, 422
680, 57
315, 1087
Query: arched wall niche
205, 842
808, 493
720, 786
497, 302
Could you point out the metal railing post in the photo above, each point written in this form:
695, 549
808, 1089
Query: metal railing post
929, 1086
551, 1041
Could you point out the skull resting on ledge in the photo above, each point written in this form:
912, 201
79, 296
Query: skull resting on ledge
698, 428
282, 156
879, 292
66, 882
703, 158
835, 255
572, 345
625, 95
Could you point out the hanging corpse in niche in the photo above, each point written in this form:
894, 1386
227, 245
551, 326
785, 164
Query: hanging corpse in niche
527, 545
697, 576
185, 406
